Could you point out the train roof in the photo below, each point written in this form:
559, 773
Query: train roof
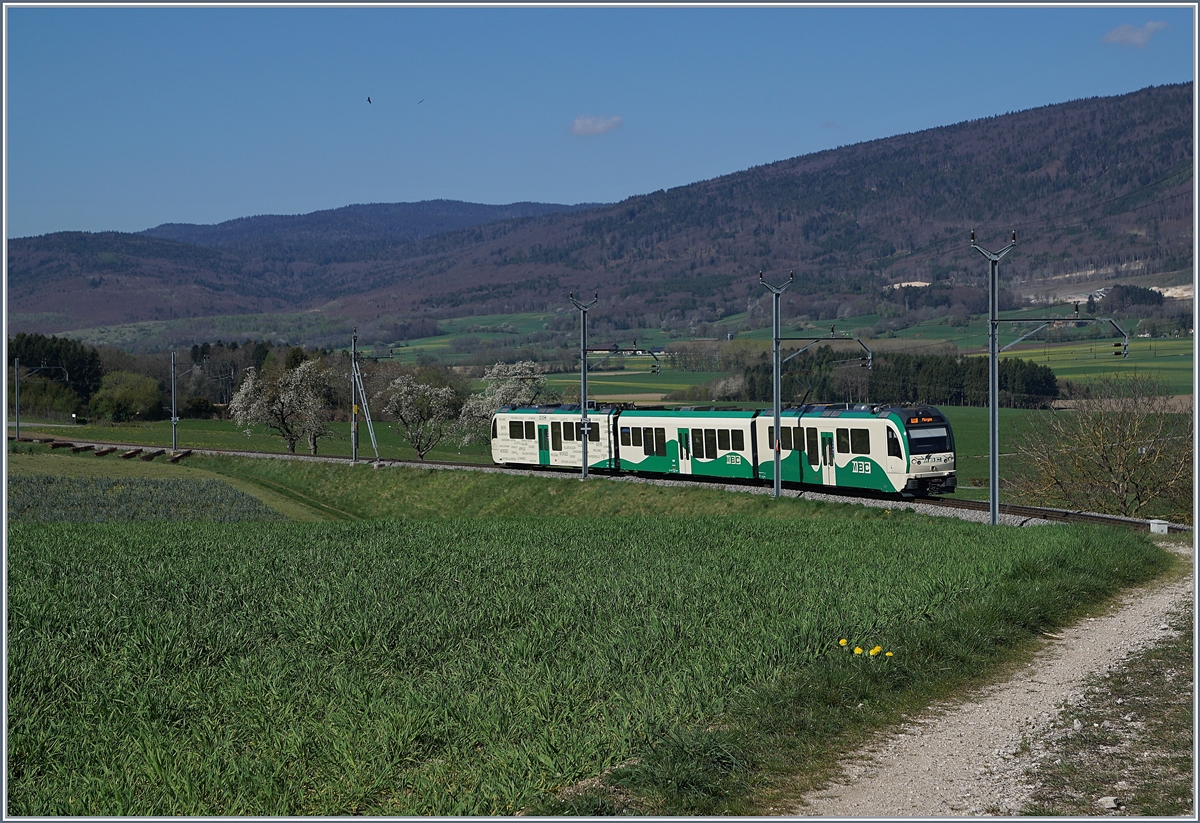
556, 408
909, 414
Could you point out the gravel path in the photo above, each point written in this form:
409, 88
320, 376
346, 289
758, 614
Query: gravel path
964, 758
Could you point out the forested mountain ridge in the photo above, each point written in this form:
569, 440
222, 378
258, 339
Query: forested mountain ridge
349, 233
1089, 185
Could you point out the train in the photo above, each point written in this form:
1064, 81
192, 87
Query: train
904, 450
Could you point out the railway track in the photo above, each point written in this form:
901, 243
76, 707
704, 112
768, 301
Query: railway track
1042, 513
1028, 512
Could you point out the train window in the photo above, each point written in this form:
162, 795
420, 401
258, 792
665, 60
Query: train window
660, 442
516, 431
843, 441
636, 436
684, 450
785, 437
723, 439
929, 441
647, 440
710, 443
860, 441
813, 449
625, 439
529, 430
579, 432
698, 442
893, 443
493, 428
556, 436
739, 440
568, 431
593, 432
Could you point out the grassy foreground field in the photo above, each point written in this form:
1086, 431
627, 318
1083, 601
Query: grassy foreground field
488, 664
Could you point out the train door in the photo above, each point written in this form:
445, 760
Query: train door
685, 451
895, 454
828, 469
543, 445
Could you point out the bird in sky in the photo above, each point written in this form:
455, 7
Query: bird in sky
368, 99
422, 100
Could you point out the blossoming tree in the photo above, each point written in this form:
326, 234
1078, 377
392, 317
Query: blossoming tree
293, 404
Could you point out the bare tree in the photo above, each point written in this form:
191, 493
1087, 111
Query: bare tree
1124, 449
508, 384
292, 404
426, 413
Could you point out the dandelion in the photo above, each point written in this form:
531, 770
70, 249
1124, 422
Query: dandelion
887, 654
876, 650
858, 650
843, 642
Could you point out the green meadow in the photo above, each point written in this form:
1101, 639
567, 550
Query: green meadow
479, 643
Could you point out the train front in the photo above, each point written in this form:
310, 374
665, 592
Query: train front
931, 467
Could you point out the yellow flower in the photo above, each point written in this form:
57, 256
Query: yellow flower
857, 650
876, 650
887, 654
843, 642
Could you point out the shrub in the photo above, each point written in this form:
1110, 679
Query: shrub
125, 396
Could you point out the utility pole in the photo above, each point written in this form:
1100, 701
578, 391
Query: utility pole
775, 292
583, 370
17, 388
354, 398
17, 394
174, 414
993, 376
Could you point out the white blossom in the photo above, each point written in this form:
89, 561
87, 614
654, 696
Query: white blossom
292, 404
425, 413
516, 384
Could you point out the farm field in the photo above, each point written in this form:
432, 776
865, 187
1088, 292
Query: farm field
26, 460
635, 380
1169, 359
484, 664
55, 499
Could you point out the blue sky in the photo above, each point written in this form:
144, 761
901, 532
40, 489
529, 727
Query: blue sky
125, 118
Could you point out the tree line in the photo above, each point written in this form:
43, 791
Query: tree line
819, 375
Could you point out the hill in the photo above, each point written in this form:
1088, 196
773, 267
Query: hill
351, 233
1096, 188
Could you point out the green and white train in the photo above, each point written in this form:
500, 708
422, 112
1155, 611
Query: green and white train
891, 449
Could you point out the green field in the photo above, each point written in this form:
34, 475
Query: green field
57, 499
480, 643
1169, 359
635, 379
483, 665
